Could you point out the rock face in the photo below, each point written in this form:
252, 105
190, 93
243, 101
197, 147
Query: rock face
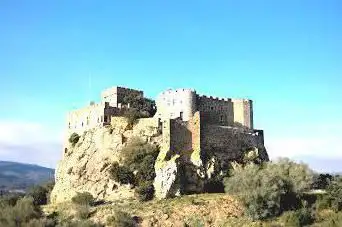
84, 167
192, 158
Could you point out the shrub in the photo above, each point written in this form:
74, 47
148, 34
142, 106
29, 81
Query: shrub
79, 223
121, 174
23, 211
266, 190
84, 198
9, 200
138, 157
330, 219
145, 191
82, 211
132, 115
194, 221
39, 195
334, 194
120, 219
298, 218
322, 202
136, 151
73, 139
145, 106
321, 181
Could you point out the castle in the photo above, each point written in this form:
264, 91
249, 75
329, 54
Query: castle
99, 114
187, 121
171, 104
198, 138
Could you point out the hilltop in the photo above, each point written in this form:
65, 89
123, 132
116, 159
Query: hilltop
20, 176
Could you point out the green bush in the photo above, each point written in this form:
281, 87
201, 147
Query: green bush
39, 195
9, 200
21, 213
140, 157
121, 174
146, 107
132, 115
136, 151
298, 218
84, 198
334, 194
78, 223
73, 139
82, 211
268, 190
322, 202
120, 219
137, 157
145, 191
321, 181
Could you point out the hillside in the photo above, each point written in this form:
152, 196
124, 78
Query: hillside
15, 175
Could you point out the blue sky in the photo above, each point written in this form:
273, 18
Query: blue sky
285, 55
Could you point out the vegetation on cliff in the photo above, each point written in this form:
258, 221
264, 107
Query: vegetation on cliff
281, 197
137, 158
140, 107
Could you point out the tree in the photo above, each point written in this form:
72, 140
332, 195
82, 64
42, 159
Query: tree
269, 189
73, 139
39, 195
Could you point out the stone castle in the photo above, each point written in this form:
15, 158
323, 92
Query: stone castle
199, 137
171, 104
187, 120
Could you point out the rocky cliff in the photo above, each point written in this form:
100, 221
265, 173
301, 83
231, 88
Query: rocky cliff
179, 170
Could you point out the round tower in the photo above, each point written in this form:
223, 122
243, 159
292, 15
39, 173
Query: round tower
179, 103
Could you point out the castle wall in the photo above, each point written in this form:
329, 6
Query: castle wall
91, 116
215, 110
179, 103
229, 142
85, 118
115, 95
243, 112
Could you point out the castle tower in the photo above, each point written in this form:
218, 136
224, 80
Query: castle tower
179, 103
243, 112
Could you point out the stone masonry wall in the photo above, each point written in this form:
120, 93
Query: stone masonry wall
228, 142
215, 110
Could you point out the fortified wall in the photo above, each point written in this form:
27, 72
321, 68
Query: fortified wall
198, 136
99, 114
183, 103
190, 122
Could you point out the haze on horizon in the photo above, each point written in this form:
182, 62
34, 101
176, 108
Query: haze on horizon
284, 55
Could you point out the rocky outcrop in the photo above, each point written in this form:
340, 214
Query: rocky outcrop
191, 158
84, 166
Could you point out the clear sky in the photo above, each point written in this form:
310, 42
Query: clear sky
285, 55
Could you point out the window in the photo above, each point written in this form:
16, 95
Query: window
69, 125
101, 118
221, 118
212, 108
181, 115
105, 118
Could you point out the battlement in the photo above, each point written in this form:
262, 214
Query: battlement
171, 104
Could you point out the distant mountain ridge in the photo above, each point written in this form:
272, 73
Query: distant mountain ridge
14, 175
